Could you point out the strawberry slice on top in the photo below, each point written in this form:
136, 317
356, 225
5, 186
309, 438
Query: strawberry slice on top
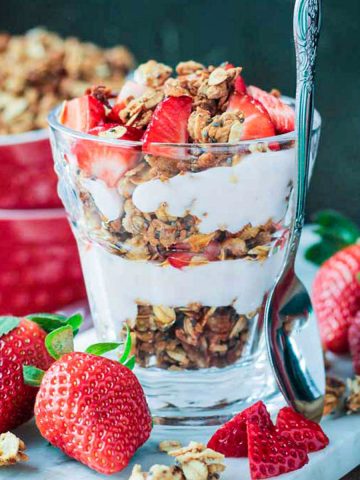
257, 122
105, 161
282, 115
168, 125
83, 113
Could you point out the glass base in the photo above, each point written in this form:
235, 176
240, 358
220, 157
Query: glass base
208, 396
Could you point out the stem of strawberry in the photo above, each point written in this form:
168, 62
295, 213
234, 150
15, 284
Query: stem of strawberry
51, 321
60, 341
32, 375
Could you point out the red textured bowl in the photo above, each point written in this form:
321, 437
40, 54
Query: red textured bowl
27, 177
39, 263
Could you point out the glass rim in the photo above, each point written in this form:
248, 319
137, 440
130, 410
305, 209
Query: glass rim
284, 137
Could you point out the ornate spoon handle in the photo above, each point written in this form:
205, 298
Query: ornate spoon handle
307, 19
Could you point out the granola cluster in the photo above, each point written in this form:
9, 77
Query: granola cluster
189, 337
160, 237
39, 69
194, 462
11, 450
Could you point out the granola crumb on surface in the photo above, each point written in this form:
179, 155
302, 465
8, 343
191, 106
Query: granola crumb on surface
193, 462
11, 450
352, 402
168, 445
334, 393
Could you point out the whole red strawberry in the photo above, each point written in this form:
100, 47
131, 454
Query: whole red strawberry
354, 342
21, 343
336, 297
92, 408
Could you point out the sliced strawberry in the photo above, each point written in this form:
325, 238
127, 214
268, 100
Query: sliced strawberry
168, 125
82, 113
307, 434
113, 115
271, 454
282, 115
180, 259
227, 65
104, 161
231, 438
239, 85
257, 122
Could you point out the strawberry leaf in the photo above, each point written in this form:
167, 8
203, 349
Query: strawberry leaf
335, 231
127, 347
7, 324
101, 348
60, 341
321, 251
337, 225
130, 363
32, 375
75, 321
52, 321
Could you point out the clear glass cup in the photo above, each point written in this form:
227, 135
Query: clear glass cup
181, 244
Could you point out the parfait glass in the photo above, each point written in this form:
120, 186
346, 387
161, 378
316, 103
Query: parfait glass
181, 243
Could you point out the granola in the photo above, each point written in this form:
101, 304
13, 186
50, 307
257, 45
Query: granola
11, 450
40, 69
194, 462
189, 337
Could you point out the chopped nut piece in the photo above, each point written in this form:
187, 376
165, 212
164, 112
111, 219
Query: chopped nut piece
164, 316
186, 68
352, 403
334, 393
168, 445
116, 132
11, 450
220, 128
152, 73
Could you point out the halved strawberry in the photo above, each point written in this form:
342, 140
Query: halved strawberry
271, 454
82, 113
105, 161
307, 434
231, 438
239, 85
168, 125
113, 115
282, 115
257, 122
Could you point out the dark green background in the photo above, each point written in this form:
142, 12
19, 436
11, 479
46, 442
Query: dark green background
256, 34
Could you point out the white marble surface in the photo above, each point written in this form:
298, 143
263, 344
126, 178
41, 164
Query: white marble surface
340, 457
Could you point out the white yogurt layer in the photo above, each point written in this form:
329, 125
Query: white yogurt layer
116, 284
225, 198
107, 199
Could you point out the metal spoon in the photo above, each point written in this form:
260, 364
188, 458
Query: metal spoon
291, 333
